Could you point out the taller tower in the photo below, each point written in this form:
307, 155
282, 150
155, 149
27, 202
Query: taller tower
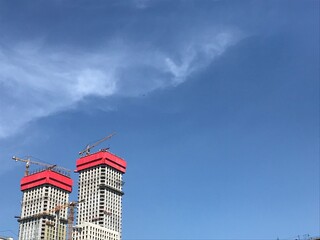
100, 189
43, 191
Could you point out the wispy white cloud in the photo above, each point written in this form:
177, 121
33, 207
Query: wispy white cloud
141, 4
36, 81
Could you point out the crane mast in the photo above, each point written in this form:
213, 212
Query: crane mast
72, 206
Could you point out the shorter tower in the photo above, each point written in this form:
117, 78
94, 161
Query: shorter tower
100, 187
42, 192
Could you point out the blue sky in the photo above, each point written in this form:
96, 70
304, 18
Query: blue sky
215, 105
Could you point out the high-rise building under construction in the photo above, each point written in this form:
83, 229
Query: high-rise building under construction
100, 192
42, 192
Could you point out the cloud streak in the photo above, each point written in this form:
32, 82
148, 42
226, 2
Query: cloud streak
36, 81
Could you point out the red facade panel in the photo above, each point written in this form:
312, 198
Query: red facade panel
101, 158
46, 177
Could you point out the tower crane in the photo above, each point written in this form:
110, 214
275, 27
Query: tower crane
89, 147
70, 219
47, 166
72, 206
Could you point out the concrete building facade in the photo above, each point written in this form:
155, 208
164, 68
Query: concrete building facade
100, 192
42, 192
